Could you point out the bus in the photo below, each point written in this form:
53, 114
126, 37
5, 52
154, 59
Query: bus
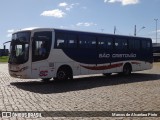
45, 53
156, 52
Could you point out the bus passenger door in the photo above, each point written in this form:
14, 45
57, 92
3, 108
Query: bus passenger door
41, 46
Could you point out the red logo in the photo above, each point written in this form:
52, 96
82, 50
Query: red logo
43, 73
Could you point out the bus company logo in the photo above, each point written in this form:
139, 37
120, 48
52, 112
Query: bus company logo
43, 73
104, 55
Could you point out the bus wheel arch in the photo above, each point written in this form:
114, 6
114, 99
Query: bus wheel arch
127, 69
64, 72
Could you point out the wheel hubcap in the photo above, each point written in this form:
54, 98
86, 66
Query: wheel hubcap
61, 75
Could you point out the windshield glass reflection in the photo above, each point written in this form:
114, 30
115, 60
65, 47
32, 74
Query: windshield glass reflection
19, 48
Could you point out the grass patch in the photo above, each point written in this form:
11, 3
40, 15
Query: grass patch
4, 59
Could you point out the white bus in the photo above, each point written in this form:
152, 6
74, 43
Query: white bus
61, 54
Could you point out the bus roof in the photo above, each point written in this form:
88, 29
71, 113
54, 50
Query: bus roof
76, 31
100, 33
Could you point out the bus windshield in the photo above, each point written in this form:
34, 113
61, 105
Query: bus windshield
19, 48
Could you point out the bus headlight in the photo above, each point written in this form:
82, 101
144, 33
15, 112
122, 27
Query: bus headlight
23, 69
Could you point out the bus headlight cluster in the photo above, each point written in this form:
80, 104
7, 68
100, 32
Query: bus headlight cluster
23, 69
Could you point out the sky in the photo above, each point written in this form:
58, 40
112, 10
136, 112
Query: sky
85, 15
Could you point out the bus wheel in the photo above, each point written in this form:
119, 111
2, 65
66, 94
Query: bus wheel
62, 74
127, 69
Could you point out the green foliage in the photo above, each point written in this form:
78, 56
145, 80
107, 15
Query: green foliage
4, 59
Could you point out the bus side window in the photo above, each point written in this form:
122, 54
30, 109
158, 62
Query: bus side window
118, 44
88, 42
137, 44
61, 41
92, 43
105, 43
131, 44
124, 44
72, 41
146, 45
121, 44
41, 45
109, 44
101, 44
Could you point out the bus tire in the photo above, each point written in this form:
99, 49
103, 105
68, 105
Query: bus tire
64, 73
127, 69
